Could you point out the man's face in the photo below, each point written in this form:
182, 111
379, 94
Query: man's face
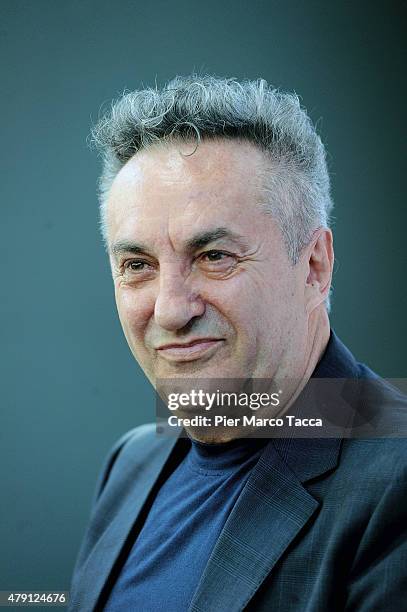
194, 258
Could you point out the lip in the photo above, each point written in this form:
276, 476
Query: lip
189, 351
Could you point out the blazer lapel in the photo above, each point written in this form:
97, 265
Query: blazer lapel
272, 509
97, 567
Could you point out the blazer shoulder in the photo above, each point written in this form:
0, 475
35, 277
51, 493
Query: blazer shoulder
385, 456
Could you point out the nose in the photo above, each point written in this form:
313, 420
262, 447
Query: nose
177, 301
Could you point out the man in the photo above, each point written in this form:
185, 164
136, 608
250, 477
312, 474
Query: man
215, 206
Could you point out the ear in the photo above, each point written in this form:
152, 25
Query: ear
319, 267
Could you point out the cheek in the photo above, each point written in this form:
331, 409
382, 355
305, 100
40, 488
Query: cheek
238, 301
134, 311
268, 302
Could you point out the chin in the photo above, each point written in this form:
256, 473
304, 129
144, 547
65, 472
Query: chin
194, 369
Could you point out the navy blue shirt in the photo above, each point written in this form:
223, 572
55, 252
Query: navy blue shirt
172, 549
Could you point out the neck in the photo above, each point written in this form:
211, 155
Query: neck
319, 331
314, 347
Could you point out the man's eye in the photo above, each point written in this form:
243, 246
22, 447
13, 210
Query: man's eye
135, 265
217, 261
214, 256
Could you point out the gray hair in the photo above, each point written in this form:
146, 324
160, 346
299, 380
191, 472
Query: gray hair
297, 186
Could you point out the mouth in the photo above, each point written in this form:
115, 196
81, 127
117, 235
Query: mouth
190, 351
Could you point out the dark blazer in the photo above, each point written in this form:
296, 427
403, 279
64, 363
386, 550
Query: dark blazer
319, 526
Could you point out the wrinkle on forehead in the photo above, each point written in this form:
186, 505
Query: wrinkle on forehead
218, 181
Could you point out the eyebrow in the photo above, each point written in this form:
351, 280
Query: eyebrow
202, 239
126, 246
196, 242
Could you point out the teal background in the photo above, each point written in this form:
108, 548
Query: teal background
69, 384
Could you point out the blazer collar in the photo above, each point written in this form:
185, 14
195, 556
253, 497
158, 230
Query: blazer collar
337, 361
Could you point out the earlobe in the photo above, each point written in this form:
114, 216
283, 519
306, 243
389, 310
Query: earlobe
314, 296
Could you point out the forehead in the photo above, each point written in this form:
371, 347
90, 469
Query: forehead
175, 189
